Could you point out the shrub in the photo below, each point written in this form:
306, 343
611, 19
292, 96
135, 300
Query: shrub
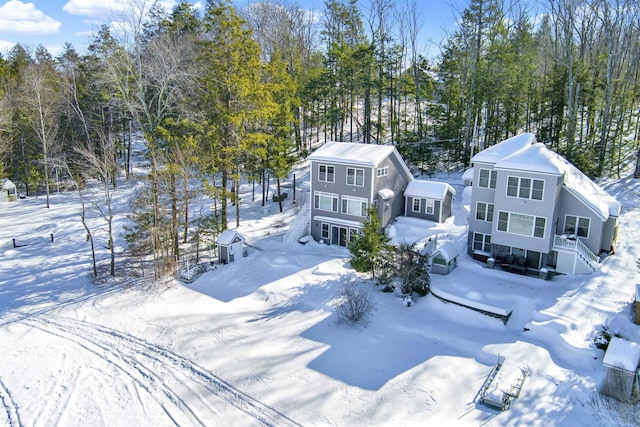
355, 304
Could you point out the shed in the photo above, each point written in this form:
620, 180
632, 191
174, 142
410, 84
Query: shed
444, 259
429, 200
621, 360
9, 191
229, 244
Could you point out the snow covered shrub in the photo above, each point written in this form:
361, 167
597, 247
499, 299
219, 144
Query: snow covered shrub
408, 267
355, 304
603, 336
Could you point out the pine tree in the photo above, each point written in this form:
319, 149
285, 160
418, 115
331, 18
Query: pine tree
370, 247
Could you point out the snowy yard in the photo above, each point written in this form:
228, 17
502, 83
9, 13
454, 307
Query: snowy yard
254, 342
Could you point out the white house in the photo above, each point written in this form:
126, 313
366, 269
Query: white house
230, 245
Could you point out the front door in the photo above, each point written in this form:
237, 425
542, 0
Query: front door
339, 235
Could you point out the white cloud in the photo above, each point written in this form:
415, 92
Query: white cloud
107, 8
5, 47
19, 17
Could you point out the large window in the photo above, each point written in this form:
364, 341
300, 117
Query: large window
522, 224
577, 225
482, 242
355, 177
525, 188
428, 206
484, 211
488, 178
416, 205
356, 206
326, 173
325, 201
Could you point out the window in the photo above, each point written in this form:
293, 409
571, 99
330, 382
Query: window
326, 173
324, 232
488, 178
577, 225
538, 230
353, 234
428, 207
482, 242
325, 201
537, 190
356, 206
355, 177
382, 171
525, 188
416, 204
484, 211
522, 224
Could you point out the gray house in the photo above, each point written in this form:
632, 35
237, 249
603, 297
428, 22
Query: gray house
347, 178
531, 210
429, 200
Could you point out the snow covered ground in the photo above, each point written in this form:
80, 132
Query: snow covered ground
255, 343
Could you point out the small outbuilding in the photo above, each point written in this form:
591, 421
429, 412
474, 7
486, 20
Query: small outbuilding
445, 259
621, 360
467, 177
230, 245
9, 191
429, 200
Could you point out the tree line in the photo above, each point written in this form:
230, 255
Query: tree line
225, 95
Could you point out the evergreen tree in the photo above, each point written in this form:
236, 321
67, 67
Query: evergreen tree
370, 247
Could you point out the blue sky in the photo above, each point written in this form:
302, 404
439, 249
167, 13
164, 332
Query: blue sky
51, 23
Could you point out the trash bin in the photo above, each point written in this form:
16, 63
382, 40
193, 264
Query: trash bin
491, 262
544, 274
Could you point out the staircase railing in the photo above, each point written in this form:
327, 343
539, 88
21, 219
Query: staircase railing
300, 226
575, 245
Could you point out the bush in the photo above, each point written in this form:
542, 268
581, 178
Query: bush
355, 304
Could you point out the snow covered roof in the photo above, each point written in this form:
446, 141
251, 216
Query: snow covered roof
227, 237
528, 155
538, 158
428, 189
622, 354
386, 193
7, 184
468, 174
505, 148
448, 251
352, 153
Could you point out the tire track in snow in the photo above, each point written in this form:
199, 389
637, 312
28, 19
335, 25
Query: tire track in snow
9, 406
141, 360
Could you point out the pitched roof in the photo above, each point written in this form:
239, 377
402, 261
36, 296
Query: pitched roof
523, 153
227, 237
428, 189
505, 148
353, 153
448, 251
7, 184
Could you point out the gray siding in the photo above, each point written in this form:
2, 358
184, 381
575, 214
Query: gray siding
570, 205
540, 208
388, 210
